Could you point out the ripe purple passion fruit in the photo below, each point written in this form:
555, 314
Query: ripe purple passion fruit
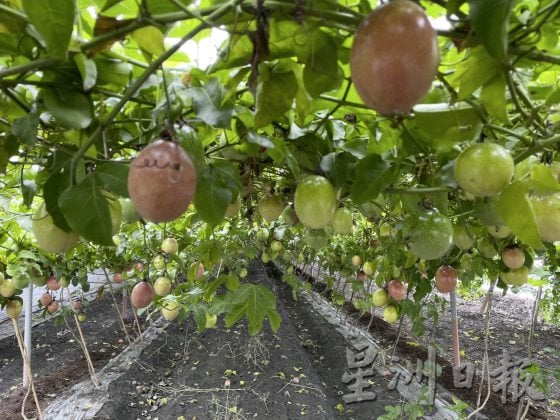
142, 294
394, 58
161, 181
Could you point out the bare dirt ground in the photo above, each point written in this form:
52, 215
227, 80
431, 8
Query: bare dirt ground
225, 374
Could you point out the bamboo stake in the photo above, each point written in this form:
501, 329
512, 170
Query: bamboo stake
27, 364
86, 352
455, 329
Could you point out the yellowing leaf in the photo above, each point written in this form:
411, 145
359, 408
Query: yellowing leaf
516, 210
150, 40
493, 96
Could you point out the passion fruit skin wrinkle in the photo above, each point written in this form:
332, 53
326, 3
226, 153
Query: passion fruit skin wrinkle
161, 181
395, 57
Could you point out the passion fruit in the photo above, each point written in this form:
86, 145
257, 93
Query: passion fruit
142, 295
395, 57
49, 236
161, 181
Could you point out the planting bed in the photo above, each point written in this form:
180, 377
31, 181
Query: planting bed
223, 373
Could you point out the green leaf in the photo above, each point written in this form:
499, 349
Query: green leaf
281, 154
199, 315
321, 72
208, 106
477, 69
275, 95
229, 173
54, 186
70, 108
339, 167
493, 96
255, 138
285, 39
86, 209
232, 282
114, 177
553, 98
446, 125
25, 128
373, 175
189, 140
255, 302
28, 190
156, 7
211, 287
54, 20
490, 19
112, 72
514, 207
150, 40
217, 184
87, 69
543, 180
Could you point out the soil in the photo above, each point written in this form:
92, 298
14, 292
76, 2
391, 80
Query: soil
223, 373
58, 361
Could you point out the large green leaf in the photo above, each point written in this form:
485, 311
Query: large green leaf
207, 102
339, 167
56, 183
114, 176
25, 128
70, 108
88, 70
321, 72
8, 148
254, 302
275, 95
54, 20
543, 180
373, 175
447, 125
477, 69
514, 207
86, 209
217, 185
281, 154
490, 19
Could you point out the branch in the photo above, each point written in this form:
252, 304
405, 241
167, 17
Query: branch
31, 66
427, 190
537, 148
15, 13
534, 54
152, 68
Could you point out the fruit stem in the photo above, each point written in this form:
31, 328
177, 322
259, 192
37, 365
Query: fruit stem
27, 366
